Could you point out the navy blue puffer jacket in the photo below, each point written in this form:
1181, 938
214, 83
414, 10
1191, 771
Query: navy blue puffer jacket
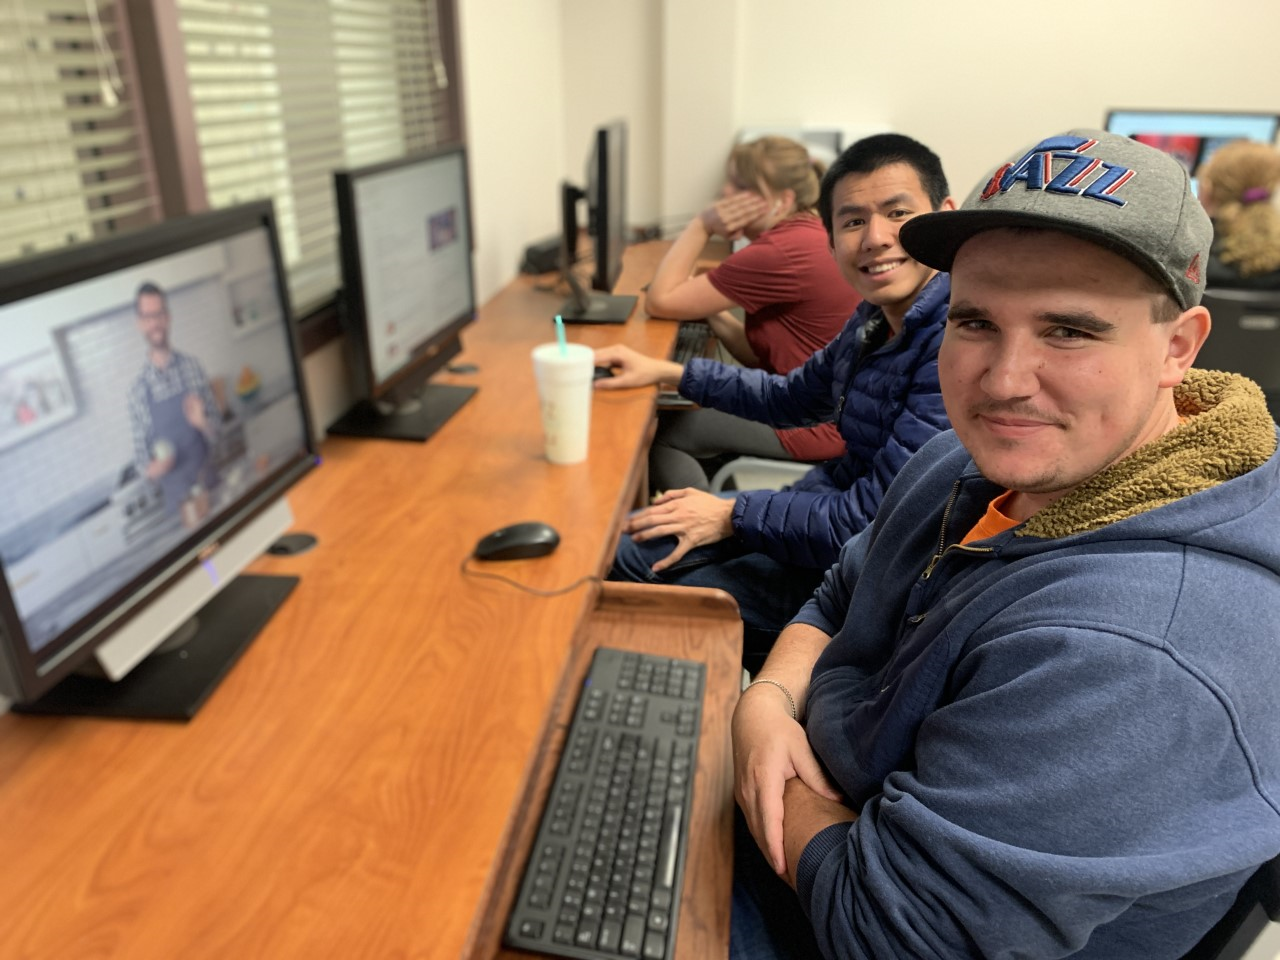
886, 403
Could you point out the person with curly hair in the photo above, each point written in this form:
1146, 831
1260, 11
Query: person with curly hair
1237, 186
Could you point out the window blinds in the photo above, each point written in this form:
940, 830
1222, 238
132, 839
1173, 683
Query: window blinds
287, 91
72, 163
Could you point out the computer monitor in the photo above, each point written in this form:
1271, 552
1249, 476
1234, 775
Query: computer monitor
407, 290
606, 196
152, 415
1191, 136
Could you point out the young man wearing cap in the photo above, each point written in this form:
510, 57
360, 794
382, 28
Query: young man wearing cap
1038, 694
877, 381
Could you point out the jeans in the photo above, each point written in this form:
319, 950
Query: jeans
766, 921
769, 593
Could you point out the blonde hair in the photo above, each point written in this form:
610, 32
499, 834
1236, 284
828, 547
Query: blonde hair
779, 163
1241, 177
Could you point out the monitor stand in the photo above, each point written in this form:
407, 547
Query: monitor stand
586, 306
416, 420
173, 682
598, 308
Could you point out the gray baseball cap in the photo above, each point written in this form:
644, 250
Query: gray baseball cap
1111, 190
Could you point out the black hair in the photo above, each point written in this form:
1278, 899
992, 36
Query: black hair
881, 150
149, 288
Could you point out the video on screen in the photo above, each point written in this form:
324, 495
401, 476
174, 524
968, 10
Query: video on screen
137, 408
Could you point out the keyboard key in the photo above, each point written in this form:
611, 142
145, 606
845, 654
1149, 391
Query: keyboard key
632, 932
531, 928
610, 936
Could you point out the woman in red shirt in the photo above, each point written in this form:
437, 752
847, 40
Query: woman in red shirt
788, 286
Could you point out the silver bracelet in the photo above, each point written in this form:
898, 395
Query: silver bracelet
785, 692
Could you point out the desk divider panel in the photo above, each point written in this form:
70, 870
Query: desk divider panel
684, 622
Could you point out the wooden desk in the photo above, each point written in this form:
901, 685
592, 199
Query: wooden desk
358, 785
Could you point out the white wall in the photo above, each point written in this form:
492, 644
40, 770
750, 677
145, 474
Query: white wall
700, 102
976, 82
513, 90
612, 62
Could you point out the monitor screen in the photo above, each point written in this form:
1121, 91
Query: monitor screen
1191, 137
153, 411
407, 288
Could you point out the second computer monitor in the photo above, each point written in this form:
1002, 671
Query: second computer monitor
605, 193
607, 202
407, 290
1191, 136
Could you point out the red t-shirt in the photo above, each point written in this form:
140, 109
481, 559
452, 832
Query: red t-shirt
796, 301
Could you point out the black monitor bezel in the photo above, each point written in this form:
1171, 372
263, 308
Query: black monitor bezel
607, 182
433, 353
34, 673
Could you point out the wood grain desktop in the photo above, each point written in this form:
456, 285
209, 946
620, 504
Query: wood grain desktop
361, 782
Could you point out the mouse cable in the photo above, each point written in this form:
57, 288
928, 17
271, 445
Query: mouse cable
468, 572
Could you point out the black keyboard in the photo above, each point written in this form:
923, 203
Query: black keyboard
691, 341
607, 865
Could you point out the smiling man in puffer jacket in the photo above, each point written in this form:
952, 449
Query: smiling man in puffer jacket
1032, 712
877, 381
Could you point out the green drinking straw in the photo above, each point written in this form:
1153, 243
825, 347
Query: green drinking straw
564, 347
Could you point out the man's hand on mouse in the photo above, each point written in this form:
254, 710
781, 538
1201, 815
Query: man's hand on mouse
633, 369
693, 517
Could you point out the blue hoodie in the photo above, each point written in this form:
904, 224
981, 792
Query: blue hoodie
1063, 740
885, 401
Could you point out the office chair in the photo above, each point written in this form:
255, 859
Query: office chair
757, 473
1245, 338
1256, 906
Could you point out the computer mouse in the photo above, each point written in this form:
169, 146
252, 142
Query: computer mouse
517, 542
602, 372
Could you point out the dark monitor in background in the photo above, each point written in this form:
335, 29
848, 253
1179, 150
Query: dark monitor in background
407, 291
606, 196
152, 416
1191, 136
1245, 338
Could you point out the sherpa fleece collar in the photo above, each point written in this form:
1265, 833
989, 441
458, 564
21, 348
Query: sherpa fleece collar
1226, 433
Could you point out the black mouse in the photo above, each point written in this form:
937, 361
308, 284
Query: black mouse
518, 541
602, 372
